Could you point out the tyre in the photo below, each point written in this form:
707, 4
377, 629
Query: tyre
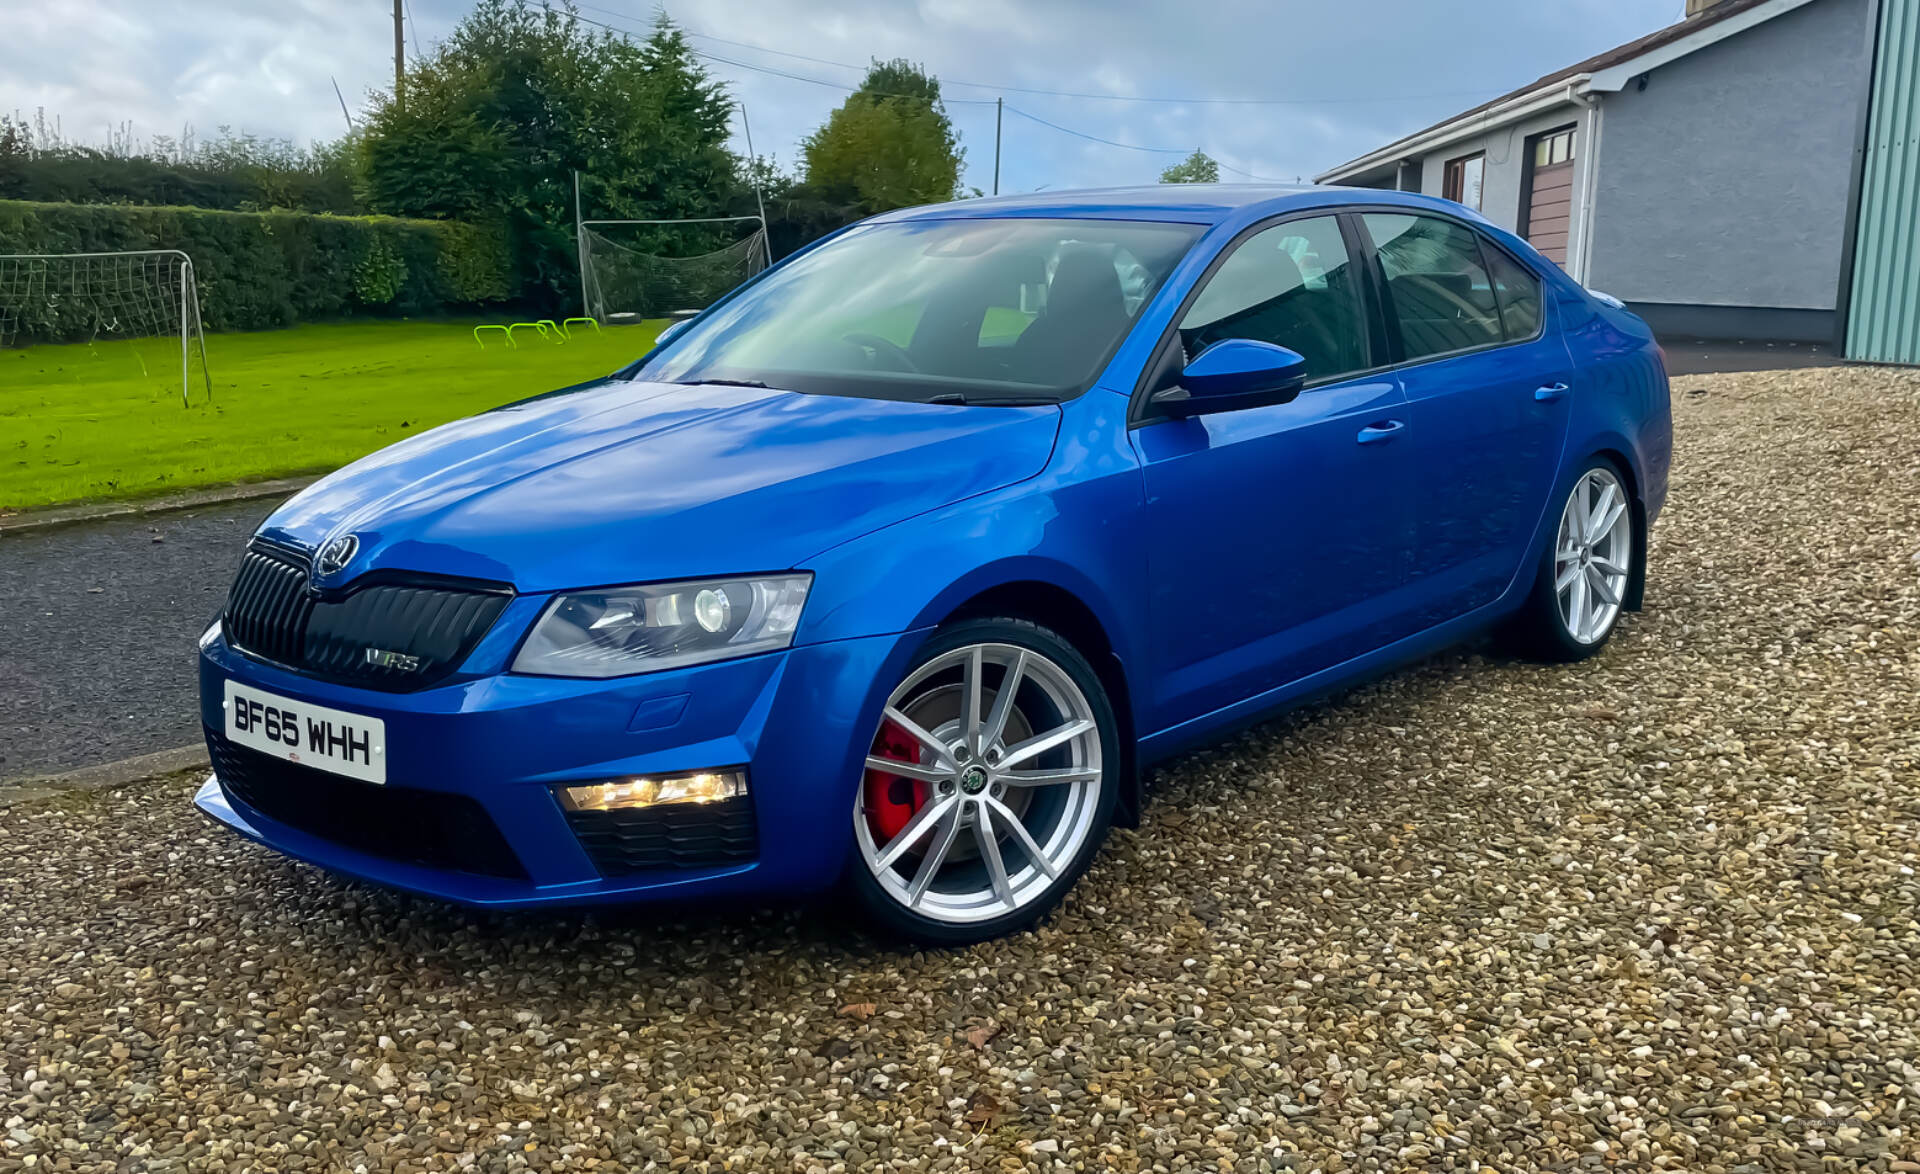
989, 785
1585, 572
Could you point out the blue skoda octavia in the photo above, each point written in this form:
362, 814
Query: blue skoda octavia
896, 568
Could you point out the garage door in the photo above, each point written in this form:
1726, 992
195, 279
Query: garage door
1883, 325
1550, 193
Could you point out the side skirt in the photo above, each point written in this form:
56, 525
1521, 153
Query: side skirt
1346, 675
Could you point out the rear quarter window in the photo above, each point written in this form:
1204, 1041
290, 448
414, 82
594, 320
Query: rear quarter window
1519, 292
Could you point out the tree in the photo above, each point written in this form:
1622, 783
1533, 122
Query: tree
1198, 167
496, 120
14, 154
901, 80
890, 144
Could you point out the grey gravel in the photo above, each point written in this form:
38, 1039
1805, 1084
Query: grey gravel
1654, 911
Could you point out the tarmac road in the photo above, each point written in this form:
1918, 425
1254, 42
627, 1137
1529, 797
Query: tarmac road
97, 630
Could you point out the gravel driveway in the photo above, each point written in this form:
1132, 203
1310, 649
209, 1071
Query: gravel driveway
1654, 911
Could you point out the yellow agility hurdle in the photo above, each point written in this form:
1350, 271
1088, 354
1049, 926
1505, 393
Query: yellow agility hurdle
504, 333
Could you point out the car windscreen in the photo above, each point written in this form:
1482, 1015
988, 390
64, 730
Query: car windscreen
962, 310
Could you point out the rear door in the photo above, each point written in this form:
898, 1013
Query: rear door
1489, 385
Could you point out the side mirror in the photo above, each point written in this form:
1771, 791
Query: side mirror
1232, 375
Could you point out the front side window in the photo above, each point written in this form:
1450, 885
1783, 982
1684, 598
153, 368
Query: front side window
969, 310
1464, 179
1438, 287
1292, 285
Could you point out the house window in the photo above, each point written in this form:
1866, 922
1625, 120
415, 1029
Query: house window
1463, 180
1553, 148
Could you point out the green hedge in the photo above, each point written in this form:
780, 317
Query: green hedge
258, 270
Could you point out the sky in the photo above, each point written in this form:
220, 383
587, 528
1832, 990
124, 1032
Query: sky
1297, 86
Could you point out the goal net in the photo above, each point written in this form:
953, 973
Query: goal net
108, 297
633, 269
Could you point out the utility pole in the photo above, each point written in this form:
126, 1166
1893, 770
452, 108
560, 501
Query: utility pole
399, 54
998, 105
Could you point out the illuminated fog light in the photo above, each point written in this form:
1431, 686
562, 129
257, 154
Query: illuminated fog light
629, 794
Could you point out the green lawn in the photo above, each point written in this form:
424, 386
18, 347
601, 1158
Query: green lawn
94, 422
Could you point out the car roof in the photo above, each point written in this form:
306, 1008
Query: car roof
1179, 203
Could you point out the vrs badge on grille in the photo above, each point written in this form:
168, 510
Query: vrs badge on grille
335, 555
382, 658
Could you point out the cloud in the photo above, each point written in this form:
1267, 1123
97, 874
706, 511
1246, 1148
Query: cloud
192, 63
1354, 73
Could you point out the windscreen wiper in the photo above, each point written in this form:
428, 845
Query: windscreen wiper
997, 401
721, 383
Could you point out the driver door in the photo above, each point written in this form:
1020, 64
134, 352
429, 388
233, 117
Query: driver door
1278, 536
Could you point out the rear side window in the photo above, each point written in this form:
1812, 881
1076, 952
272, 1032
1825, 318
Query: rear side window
1438, 286
1519, 292
1292, 285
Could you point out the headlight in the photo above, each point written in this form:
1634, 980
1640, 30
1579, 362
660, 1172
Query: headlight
627, 630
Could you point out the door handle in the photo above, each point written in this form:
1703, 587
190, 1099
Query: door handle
1549, 393
1380, 433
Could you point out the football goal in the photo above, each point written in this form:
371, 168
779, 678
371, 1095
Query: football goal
634, 269
106, 297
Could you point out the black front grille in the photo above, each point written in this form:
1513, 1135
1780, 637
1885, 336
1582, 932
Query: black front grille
268, 608
429, 625
678, 835
432, 828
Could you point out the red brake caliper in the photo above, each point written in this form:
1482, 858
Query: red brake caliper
892, 799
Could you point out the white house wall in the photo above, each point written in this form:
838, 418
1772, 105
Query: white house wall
1505, 149
1724, 183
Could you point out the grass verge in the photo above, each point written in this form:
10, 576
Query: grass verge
104, 422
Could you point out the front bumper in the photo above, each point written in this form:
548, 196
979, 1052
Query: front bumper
799, 721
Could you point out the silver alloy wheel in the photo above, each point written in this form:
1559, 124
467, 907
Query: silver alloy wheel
1027, 822
1592, 554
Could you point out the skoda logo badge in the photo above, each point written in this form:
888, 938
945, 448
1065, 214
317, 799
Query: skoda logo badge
335, 555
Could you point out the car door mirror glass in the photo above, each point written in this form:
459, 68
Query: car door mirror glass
672, 329
1234, 374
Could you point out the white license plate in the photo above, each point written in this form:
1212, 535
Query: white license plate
311, 735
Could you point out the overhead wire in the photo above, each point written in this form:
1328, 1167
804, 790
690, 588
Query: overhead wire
1193, 100
832, 84
1066, 130
1011, 89
775, 72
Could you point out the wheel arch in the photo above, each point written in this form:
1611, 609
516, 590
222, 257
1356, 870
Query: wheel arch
1618, 456
1051, 605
